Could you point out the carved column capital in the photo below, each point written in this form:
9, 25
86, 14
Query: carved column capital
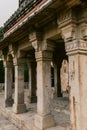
76, 47
43, 55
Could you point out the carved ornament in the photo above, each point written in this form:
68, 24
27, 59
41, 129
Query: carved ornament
43, 55
76, 45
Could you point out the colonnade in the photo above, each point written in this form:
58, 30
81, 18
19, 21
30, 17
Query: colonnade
75, 40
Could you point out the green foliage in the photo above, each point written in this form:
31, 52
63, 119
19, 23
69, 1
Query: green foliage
26, 77
1, 33
1, 72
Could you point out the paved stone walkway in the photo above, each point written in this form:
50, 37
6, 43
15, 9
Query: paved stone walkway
6, 124
25, 121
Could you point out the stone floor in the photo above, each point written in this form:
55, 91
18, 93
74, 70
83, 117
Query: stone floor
5, 124
59, 108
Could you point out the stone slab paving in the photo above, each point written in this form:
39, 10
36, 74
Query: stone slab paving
25, 121
6, 124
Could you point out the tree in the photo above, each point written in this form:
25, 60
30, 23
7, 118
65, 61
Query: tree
1, 33
1, 72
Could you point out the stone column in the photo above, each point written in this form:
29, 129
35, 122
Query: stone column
32, 82
75, 95
78, 89
19, 106
43, 118
8, 84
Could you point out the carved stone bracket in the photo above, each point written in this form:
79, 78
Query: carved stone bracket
12, 50
35, 39
69, 33
42, 45
83, 31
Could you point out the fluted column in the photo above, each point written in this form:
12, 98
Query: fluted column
19, 106
43, 119
8, 83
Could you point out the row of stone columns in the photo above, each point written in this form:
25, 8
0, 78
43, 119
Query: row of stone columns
77, 83
43, 118
19, 106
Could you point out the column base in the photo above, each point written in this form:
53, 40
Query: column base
20, 108
33, 99
43, 122
9, 102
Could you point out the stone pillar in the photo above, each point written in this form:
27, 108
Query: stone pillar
32, 82
43, 118
8, 84
78, 89
19, 106
75, 88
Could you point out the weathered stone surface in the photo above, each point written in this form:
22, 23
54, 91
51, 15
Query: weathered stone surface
19, 106
59, 109
6, 124
49, 31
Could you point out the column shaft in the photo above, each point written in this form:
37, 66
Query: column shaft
43, 119
78, 91
19, 106
8, 84
74, 83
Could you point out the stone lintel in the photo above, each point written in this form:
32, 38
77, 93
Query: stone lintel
43, 55
43, 122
